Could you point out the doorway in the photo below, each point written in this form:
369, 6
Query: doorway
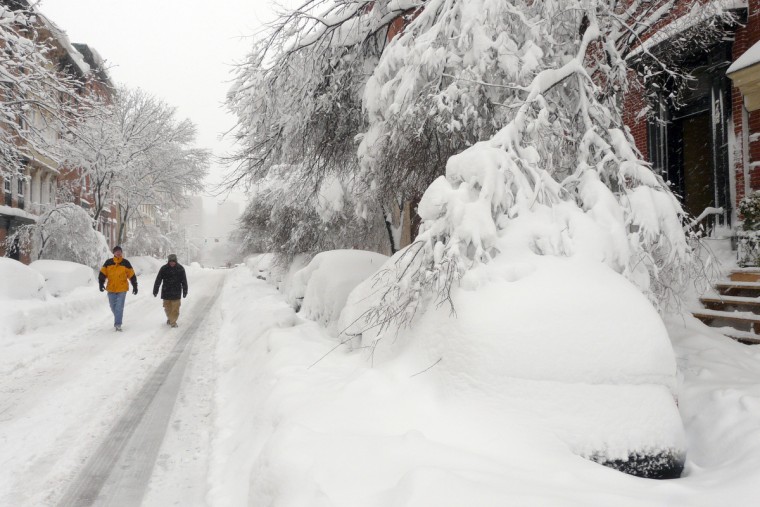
698, 170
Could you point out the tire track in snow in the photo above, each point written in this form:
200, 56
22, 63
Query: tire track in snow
120, 469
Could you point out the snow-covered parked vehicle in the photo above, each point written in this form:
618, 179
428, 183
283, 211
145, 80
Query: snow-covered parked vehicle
562, 344
320, 289
19, 281
62, 277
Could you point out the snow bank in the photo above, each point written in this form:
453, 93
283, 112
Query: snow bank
61, 277
25, 304
321, 288
19, 281
719, 399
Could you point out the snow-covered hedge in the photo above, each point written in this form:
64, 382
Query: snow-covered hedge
321, 288
62, 277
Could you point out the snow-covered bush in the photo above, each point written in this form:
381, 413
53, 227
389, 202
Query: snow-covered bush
65, 233
19, 281
321, 288
61, 277
749, 209
748, 251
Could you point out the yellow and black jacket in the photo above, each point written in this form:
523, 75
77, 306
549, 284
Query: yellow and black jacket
117, 272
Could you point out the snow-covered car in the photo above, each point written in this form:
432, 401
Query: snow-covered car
320, 289
19, 281
563, 344
62, 277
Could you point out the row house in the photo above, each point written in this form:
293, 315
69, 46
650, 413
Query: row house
706, 145
44, 182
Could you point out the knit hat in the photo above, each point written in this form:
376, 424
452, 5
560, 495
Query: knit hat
173, 257
116, 248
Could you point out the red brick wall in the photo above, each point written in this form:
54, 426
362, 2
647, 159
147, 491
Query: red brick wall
633, 104
745, 37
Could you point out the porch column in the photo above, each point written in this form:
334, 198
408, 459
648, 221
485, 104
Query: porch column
45, 191
35, 191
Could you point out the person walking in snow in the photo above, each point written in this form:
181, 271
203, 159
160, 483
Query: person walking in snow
117, 271
172, 275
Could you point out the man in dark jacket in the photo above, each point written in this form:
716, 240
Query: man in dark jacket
172, 274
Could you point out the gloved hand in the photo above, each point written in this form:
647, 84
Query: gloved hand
184, 295
155, 294
102, 288
134, 290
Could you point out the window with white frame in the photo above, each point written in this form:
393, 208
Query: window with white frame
20, 186
7, 184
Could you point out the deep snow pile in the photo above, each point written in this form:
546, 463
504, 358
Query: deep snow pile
321, 288
294, 429
62, 277
19, 281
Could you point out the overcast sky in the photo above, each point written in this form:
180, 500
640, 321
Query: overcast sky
179, 50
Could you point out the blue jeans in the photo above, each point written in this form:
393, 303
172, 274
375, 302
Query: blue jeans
116, 300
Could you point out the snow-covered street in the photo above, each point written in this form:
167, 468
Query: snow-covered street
265, 411
66, 385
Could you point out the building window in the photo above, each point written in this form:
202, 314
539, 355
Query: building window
20, 183
7, 185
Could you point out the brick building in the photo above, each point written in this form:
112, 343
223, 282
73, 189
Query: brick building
706, 145
25, 197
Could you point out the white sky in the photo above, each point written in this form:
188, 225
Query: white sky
179, 50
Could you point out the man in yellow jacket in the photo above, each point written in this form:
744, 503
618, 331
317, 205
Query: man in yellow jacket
117, 270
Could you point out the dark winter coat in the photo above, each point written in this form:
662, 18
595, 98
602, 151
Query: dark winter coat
174, 280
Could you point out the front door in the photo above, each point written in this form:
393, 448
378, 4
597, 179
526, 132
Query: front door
688, 142
697, 160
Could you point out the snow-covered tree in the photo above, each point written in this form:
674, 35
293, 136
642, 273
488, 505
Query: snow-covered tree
65, 233
38, 96
541, 83
135, 151
283, 219
298, 98
149, 240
